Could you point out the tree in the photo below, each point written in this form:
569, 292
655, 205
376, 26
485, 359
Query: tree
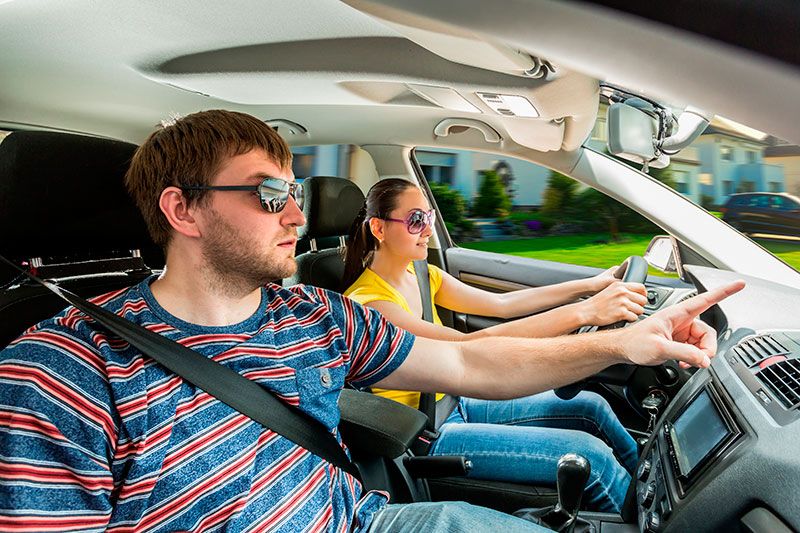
492, 200
558, 195
600, 212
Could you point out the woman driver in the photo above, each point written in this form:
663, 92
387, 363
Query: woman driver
514, 440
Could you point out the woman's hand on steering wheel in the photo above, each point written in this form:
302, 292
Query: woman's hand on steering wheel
620, 303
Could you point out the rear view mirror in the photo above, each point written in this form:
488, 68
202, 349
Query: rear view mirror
635, 132
660, 254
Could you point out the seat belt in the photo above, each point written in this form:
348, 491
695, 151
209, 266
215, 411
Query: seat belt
226, 385
427, 400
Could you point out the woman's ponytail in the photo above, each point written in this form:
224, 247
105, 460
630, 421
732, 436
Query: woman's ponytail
360, 245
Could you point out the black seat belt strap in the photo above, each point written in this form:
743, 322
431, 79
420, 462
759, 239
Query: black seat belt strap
228, 386
427, 400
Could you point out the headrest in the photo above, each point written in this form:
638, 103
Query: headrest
63, 194
331, 206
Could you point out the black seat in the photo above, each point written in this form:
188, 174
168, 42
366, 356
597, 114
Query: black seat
65, 215
330, 208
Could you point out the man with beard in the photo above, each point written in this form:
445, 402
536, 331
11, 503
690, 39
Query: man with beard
97, 436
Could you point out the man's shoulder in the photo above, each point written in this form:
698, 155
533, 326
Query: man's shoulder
75, 325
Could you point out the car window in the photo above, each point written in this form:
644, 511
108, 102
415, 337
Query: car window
734, 171
507, 205
760, 201
321, 160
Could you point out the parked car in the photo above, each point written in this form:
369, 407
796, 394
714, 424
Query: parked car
765, 213
386, 76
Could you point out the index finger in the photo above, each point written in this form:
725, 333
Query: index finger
701, 302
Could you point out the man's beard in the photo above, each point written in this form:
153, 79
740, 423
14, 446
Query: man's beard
236, 262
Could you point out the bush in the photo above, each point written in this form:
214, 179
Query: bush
492, 200
451, 204
707, 201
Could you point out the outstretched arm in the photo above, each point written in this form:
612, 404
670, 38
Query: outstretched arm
503, 367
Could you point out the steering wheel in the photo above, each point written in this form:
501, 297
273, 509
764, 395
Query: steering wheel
633, 270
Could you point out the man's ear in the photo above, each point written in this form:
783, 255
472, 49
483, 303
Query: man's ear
377, 227
174, 206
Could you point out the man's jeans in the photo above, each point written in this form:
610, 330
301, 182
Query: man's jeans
447, 517
521, 441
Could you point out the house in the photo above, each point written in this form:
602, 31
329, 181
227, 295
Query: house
732, 160
787, 156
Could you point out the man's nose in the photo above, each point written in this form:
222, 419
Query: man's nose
292, 214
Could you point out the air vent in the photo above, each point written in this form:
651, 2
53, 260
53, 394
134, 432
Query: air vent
783, 380
686, 296
756, 349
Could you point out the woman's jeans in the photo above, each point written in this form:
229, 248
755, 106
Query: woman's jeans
521, 441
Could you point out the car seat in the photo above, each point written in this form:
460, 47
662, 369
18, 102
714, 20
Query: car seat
65, 215
330, 208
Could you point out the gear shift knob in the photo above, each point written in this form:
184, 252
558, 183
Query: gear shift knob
573, 472
571, 476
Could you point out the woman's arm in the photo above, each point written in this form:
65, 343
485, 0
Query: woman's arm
615, 303
462, 298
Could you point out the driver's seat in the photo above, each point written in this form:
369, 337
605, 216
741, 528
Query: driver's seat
330, 208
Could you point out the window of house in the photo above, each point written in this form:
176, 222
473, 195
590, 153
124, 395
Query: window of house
726, 153
437, 174
750, 155
727, 186
746, 186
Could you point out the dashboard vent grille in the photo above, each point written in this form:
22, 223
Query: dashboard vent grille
756, 349
686, 296
783, 380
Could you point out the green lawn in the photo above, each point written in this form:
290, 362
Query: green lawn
595, 250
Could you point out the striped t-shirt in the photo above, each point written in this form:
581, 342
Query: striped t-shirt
94, 436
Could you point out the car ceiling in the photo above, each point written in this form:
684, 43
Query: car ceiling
117, 68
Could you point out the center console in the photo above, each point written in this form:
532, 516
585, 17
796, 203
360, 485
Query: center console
698, 431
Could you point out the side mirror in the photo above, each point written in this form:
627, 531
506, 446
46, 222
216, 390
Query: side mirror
661, 254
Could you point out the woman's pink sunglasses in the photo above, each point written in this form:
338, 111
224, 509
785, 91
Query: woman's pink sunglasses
417, 220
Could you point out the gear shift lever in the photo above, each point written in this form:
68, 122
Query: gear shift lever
573, 472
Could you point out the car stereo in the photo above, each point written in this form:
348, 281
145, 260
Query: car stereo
700, 431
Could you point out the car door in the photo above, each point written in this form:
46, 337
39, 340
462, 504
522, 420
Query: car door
785, 215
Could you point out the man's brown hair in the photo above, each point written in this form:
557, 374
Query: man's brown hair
189, 153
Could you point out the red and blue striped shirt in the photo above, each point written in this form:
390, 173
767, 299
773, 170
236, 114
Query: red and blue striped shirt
94, 436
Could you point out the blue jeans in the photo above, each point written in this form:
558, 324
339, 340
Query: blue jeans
521, 441
447, 517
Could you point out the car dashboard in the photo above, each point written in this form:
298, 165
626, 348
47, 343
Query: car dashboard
723, 455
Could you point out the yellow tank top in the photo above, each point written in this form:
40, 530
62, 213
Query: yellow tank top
370, 287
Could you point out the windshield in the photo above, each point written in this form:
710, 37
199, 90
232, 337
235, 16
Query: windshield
746, 177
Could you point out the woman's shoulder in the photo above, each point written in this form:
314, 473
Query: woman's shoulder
368, 288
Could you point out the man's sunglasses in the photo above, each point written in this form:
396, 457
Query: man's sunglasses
273, 192
417, 220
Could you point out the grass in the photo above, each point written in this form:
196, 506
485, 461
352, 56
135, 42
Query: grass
595, 250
